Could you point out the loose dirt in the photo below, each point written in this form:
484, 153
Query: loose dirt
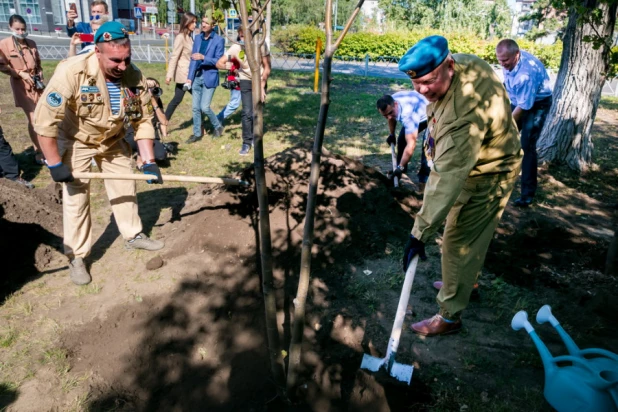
192, 336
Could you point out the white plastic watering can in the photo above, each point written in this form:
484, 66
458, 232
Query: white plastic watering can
589, 381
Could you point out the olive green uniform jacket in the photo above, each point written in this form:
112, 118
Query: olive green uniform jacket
475, 157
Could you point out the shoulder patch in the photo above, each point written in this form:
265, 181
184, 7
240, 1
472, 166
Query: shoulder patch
54, 99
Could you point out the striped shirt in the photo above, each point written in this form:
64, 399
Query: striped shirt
114, 96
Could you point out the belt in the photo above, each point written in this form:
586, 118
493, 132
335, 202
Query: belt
542, 103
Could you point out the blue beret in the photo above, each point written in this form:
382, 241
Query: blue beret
112, 30
424, 56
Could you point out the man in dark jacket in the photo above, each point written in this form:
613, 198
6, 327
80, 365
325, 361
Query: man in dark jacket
204, 77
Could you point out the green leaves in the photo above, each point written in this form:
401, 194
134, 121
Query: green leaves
302, 40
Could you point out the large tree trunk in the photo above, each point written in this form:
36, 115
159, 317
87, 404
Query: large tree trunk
566, 135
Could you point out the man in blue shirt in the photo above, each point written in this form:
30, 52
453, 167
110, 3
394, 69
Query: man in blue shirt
204, 77
408, 108
530, 91
98, 8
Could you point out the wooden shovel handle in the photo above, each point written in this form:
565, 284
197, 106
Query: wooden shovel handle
166, 178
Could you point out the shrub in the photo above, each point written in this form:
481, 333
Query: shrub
301, 40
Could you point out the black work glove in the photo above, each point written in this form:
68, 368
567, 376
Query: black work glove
391, 139
413, 247
152, 169
396, 173
61, 173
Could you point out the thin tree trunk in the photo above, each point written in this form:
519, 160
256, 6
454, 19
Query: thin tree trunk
254, 58
305, 263
566, 135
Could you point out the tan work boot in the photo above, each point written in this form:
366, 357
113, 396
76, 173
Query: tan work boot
78, 272
141, 241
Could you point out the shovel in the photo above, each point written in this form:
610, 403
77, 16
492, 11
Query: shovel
399, 371
166, 178
394, 156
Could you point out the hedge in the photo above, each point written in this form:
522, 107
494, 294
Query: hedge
301, 40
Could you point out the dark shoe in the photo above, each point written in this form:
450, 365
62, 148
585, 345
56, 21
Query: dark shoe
141, 241
244, 150
523, 201
23, 182
475, 289
218, 131
436, 326
78, 272
193, 139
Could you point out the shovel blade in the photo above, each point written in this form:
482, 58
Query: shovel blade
372, 363
402, 372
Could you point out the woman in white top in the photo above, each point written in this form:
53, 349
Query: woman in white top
178, 68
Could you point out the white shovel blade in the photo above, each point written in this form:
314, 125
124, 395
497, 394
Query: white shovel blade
372, 363
401, 372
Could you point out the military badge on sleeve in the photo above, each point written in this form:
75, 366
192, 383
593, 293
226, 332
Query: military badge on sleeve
54, 99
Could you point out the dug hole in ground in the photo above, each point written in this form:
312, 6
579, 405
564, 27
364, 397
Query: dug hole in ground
190, 335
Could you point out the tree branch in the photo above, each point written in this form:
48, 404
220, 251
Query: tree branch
349, 23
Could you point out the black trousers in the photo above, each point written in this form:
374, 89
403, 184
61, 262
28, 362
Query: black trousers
179, 93
532, 122
423, 173
246, 97
8, 162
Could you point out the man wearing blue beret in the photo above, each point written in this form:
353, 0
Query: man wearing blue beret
473, 150
81, 117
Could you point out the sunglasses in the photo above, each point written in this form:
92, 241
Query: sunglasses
95, 17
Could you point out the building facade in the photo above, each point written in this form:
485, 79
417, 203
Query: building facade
47, 16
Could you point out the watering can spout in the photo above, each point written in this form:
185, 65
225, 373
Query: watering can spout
520, 321
544, 315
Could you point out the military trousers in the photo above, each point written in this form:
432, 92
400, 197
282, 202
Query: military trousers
76, 195
470, 226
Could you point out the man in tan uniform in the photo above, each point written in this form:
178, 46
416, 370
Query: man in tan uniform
82, 116
474, 154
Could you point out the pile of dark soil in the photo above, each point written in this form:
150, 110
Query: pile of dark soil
31, 227
203, 347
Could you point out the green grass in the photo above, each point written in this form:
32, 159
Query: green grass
354, 126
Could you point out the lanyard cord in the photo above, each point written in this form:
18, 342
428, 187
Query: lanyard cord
21, 52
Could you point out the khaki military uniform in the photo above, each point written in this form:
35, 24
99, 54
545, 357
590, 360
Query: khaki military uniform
76, 110
474, 154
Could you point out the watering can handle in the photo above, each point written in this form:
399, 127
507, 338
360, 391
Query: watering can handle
598, 351
574, 359
596, 381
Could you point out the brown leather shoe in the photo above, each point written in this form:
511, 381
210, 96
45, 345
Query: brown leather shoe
435, 326
475, 291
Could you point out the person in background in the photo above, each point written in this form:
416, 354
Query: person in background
178, 68
408, 108
237, 51
19, 58
159, 122
9, 168
204, 77
98, 9
529, 88
232, 83
75, 40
